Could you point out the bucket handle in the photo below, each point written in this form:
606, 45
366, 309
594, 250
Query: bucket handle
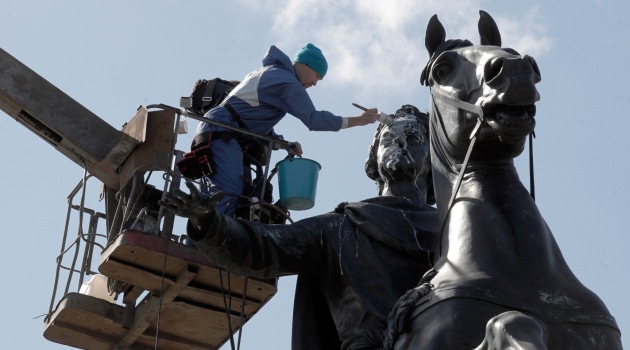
275, 168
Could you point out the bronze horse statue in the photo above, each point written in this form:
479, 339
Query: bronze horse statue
499, 279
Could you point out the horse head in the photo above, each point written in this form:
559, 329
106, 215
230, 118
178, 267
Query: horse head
480, 83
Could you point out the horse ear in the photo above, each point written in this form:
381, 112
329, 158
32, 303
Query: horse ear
435, 35
488, 30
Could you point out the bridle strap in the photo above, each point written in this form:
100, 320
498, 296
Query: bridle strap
461, 174
436, 93
478, 110
455, 102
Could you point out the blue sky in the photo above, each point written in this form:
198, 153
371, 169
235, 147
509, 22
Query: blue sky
114, 56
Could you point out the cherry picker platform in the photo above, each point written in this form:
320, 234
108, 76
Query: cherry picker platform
192, 293
160, 292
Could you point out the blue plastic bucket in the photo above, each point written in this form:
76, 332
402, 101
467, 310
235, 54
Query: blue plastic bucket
297, 180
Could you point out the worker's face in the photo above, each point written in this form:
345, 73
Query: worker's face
307, 76
403, 151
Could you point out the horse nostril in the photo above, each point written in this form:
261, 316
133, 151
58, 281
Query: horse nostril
492, 70
534, 65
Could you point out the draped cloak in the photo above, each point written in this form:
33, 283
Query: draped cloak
352, 265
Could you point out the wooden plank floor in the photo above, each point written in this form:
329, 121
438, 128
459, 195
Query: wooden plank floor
191, 291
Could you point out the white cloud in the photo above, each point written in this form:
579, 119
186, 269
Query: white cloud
525, 33
375, 45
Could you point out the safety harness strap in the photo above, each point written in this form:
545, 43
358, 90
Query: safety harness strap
235, 115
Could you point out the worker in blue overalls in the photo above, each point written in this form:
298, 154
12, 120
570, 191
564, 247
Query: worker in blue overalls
257, 104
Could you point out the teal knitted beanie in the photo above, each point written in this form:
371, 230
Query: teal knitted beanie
313, 57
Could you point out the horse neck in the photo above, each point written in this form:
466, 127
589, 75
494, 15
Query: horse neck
445, 174
481, 176
489, 189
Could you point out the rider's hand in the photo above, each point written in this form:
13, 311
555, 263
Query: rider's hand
295, 149
195, 206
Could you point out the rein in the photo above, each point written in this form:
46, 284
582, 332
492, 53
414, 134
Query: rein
477, 110
469, 107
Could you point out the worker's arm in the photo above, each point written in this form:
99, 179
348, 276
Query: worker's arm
367, 117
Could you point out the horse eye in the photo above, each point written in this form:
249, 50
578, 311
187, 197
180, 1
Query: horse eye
441, 71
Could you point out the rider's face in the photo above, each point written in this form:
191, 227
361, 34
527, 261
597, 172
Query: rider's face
403, 151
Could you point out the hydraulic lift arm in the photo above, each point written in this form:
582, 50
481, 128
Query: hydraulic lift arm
64, 123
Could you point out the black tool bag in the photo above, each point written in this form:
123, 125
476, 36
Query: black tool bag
208, 94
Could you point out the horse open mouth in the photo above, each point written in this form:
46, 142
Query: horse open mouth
511, 123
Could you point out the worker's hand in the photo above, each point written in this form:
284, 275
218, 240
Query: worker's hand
194, 206
295, 149
369, 116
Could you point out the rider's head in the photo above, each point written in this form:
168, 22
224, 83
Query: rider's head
400, 151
